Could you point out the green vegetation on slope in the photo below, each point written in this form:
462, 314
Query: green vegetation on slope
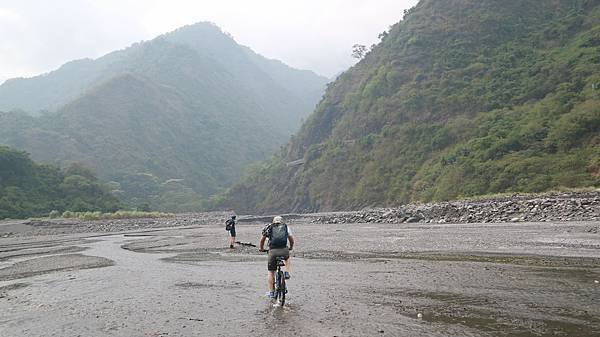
28, 189
461, 98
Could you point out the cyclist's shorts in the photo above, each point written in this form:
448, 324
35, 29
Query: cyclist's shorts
232, 231
275, 252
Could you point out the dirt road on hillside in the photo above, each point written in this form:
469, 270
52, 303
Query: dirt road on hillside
525, 279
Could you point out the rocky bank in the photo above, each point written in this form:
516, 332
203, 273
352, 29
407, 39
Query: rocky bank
36, 227
558, 206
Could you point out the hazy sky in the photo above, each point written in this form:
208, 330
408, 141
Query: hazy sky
38, 36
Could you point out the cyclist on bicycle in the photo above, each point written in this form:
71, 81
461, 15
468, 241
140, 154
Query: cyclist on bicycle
278, 234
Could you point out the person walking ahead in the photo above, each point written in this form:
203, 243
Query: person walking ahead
230, 226
278, 234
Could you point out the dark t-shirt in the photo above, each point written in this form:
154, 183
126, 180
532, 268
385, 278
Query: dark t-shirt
231, 224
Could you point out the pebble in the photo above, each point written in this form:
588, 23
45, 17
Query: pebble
419, 315
596, 281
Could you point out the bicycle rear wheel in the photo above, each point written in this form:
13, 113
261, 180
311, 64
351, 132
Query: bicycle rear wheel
281, 290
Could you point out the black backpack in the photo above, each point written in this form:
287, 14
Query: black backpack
278, 235
228, 224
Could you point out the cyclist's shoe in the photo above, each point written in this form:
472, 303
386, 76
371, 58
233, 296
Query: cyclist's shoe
286, 275
270, 295
231, 246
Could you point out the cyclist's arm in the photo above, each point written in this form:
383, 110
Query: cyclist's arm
291, 239
261, 244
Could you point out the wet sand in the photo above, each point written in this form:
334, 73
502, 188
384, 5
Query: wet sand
517, 279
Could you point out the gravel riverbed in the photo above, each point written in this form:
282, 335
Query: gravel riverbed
373, 277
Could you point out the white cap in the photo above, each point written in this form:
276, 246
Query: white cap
278, 219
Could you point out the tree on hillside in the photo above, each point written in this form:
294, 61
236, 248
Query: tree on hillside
359, 51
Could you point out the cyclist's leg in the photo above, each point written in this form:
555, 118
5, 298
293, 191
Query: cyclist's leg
287, 262
287, 267
271, 268
270, 280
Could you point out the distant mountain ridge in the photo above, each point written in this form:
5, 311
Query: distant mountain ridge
51, 91
170, 121
461, 98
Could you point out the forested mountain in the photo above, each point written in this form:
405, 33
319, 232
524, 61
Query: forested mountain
169, 121
29, 189
460, 98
